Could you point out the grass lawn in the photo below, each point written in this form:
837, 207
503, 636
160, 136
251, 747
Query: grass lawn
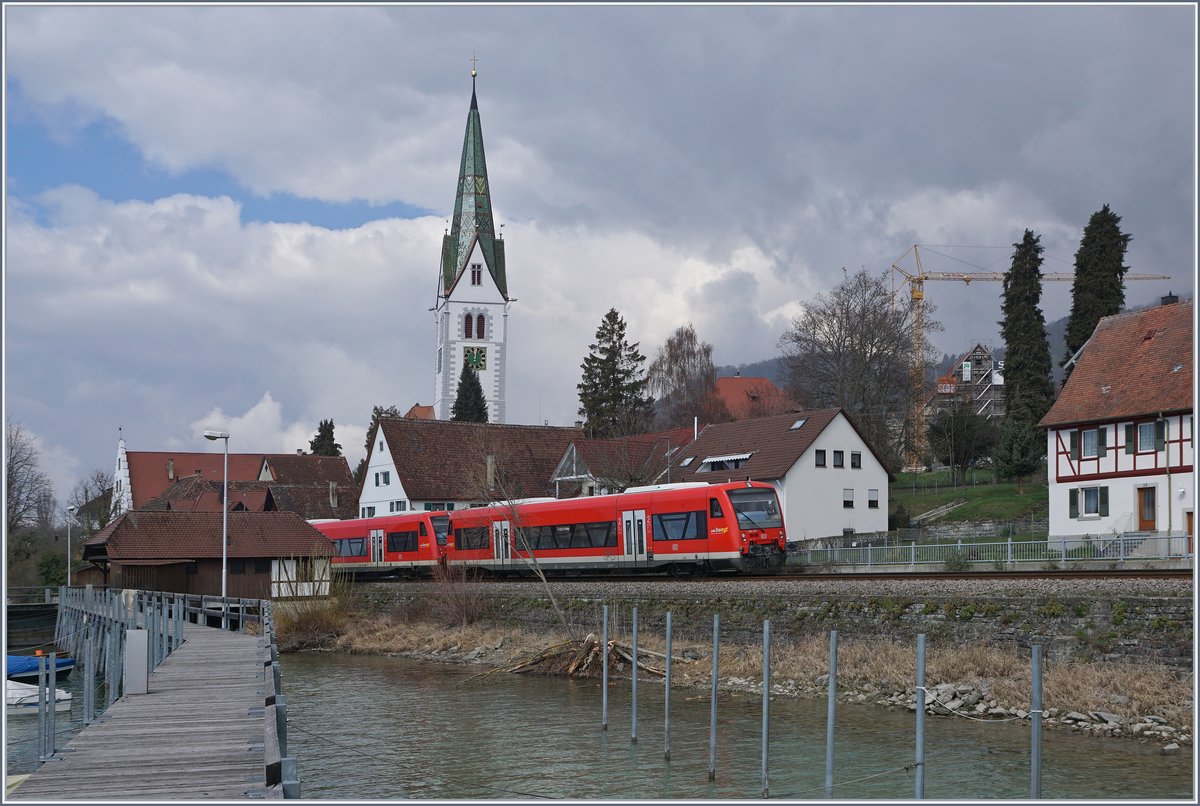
985, 501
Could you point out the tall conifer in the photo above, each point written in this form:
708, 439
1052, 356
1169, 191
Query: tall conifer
612, 391
323, 444
1029, 389
1099, 287
469, 405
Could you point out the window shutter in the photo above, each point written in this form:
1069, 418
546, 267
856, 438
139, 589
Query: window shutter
1104, 502
1101, 440
1130, 436
1074, 503
1075, 444
1160, 435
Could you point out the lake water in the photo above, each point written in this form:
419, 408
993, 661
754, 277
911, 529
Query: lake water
379, 727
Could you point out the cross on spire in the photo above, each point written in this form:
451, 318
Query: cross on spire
474, 62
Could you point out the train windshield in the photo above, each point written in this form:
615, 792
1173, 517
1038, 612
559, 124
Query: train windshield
441, 526
756, 508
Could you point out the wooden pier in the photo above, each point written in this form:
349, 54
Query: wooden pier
208, 728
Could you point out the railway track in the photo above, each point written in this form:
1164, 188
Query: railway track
1089, 573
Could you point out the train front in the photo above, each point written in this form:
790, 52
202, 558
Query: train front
763, 543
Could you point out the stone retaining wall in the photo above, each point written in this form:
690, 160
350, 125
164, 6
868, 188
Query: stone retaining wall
1139, 629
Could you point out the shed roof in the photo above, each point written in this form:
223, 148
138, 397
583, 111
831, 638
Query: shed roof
142, 535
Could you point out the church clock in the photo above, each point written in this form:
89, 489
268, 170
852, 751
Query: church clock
475, 357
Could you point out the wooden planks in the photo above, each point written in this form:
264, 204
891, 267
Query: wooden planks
197, 734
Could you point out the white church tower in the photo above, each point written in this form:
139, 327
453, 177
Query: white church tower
471, 312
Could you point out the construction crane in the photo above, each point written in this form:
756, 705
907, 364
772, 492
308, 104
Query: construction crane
916, 284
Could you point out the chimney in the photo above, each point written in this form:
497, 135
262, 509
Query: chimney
171, 469
579, 423
299, 451
1170, 298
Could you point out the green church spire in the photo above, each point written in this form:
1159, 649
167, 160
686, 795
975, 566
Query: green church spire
472, 212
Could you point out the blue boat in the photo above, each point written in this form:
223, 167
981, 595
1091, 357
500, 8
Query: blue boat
24, 668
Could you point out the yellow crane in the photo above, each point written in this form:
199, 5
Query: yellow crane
916, 284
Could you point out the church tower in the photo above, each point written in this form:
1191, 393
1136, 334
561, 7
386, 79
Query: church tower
471, 312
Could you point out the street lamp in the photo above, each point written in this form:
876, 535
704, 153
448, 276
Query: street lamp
224, 509
70, 517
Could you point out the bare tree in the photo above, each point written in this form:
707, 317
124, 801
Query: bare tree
92, 499
26, 486
683, 379
852, 349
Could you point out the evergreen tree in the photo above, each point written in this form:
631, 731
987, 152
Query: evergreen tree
469, 405
1019, 452
1029, 388
612, 391
1099, 288
323, 443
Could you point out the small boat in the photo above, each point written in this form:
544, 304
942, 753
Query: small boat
22, 698
24, 668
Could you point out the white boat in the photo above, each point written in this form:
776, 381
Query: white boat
22, 698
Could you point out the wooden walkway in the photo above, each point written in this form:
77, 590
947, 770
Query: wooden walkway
197, 734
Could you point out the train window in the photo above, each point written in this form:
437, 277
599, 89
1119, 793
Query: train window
471, 537
402, 541
441, 525
603, 534
756, 508
714, 509
681, 526
423, 530
351, 547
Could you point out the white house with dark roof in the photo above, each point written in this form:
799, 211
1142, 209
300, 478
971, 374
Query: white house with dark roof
829, 479
1119, 438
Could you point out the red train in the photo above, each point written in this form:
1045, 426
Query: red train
675, 527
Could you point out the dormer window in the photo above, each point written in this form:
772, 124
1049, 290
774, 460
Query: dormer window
731, 461
476, 274
686, 461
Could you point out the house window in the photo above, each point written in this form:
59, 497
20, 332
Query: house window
856, 460
367, 512
820, 458
1088, 502
1092, 443
872, 499
381, 444
476, 274
383, 479
262, 566
1145, 437
468, 327
848, 498
839, 458
796, 426
401, 506
479, 329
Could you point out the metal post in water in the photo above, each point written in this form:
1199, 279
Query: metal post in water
830, 713
766, 699
43, 719
667, 697
51, 701
604, 673
919, 761
1035, 728
633, 731
712, 720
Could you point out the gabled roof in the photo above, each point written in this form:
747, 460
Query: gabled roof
1135, 364
148, 469
747, 397
472, 220
309, 501
419, 412
141, 535
639, 456
444, 460
774, 446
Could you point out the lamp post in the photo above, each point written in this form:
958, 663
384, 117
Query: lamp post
224, 508
70, 517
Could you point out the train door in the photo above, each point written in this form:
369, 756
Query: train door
376, 545
635, 534
500, 542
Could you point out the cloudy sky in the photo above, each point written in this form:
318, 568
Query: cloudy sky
231, 217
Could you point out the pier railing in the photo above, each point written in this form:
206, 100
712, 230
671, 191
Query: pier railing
94, 627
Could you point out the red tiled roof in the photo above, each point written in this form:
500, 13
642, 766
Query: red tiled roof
1135, 363
309, 501
751, 397
141, 535
443, 460
419, 412
148, 469
775, 447
638, 455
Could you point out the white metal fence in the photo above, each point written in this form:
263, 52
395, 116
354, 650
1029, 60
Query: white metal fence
1117, 549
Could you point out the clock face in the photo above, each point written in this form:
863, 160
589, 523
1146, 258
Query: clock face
476, 357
